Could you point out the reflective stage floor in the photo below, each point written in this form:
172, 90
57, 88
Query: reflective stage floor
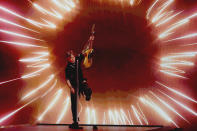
64, 127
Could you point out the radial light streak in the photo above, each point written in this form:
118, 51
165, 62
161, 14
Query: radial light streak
164, 15
171, 61
143, 116
19, 35
186, 53
158, 110
177, 92
37, 66
35, 73
26, 19
49, 90
178, 55
35, 59
156, 17
171, 73
70, 2
132, 2
168, 106
40, 87
118, 117
64, 110
104, 119
168, 19
124, 117
57, 15
89, 117
180, 104
189, 44
10, 81
42, 53
150, 9
177, 62
136, 114
23, 77
183, 37
12, 23
58, 94
174, 69
175, 26
61, 6
17, 110
22, 44
130, 118
191, 16
111, 117
94, 116
50, 24
15, 14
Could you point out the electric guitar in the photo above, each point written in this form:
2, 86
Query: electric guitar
88, 50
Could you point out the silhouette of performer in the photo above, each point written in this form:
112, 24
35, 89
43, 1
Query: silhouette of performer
76, 82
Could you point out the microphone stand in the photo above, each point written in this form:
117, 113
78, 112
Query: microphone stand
77, 93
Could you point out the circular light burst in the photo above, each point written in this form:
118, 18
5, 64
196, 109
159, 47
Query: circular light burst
159, 100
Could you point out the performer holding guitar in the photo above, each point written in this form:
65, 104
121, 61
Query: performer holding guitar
74, 76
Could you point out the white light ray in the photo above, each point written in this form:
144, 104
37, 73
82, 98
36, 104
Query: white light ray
61, 6
136, 114
156, 17
150, 9
35, 72
40, 87
58, 94
19, 35
175, 26
168, 106
158, 110
17, 110
57, 15
168, 19
130, 118
124, 117
21, 44
170, 73
180, 104
49, 90
104, 119
177, 92
37, 24
64, 110
12, 23
183, 37
143, 116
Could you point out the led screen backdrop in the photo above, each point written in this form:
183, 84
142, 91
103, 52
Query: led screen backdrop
144, 64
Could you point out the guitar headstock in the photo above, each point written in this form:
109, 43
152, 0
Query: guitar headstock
93, 29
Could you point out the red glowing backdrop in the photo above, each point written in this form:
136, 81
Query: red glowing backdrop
126, 60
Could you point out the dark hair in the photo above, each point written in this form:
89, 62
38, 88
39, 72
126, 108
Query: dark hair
68, 54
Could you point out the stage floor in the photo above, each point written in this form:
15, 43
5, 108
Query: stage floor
85, 128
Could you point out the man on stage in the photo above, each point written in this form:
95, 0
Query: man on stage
76, 82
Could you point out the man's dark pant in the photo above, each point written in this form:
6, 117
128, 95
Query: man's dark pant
74, 106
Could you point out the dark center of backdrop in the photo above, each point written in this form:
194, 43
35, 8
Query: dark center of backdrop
124, 51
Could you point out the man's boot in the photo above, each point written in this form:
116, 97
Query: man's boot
75, 125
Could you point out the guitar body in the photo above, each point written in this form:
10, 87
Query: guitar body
88, 58
88, 50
